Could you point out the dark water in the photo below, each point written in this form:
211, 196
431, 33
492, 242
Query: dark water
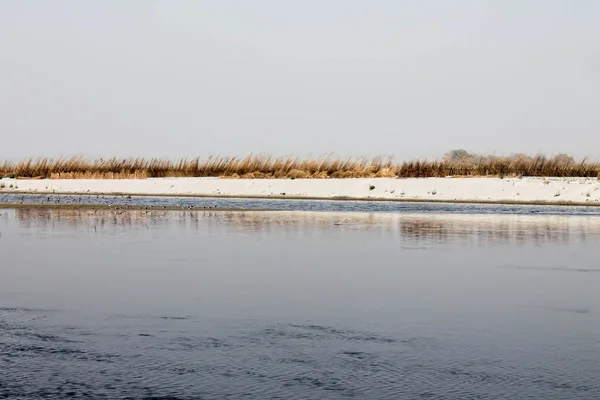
298, 305
294, 205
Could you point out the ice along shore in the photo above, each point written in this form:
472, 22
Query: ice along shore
579, 191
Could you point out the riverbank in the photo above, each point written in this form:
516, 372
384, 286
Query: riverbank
581, 191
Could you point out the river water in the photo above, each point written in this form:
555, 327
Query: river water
156, 304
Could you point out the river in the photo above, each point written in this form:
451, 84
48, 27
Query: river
428, 304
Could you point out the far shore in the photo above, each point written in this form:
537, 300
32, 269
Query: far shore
527, 190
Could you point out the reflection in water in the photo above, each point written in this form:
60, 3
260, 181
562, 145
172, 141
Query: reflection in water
412, 229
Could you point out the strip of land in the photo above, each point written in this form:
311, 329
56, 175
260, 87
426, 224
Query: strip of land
526, 190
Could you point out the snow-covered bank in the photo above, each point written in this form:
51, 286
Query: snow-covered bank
526, 190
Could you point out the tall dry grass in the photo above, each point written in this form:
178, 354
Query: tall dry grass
266, 166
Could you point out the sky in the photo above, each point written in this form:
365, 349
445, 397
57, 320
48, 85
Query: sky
191, 78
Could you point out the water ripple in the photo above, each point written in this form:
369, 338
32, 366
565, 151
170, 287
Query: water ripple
293, 205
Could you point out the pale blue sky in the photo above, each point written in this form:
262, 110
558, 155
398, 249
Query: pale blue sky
179, 78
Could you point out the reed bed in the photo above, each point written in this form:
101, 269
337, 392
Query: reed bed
266, 166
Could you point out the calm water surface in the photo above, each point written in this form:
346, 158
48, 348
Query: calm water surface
298, 305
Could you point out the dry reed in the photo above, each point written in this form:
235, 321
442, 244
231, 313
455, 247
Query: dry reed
265, 167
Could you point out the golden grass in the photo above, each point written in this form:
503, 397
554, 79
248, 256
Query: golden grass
266, 167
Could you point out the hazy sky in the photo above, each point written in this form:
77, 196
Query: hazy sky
178, 78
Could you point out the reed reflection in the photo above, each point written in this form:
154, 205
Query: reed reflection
482, 230
409, 229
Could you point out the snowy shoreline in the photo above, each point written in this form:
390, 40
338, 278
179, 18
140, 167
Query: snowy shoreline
508, 190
